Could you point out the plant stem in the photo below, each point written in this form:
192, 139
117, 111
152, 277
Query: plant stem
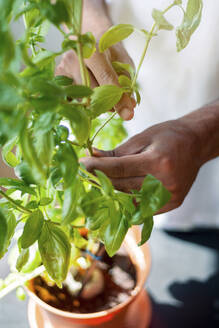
81, 63
150, 35
21, 281
102, 126
18, 207
89, 175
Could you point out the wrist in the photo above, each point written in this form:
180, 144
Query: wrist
204, 124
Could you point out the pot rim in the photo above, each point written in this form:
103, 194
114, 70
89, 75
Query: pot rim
142, 263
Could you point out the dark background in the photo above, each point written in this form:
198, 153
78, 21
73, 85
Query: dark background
183, 284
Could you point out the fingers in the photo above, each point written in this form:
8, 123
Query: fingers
69, 66
134, 145
127, 184
118, 167
101, 67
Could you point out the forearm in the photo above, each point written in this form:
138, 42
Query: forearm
95, 17
204, 123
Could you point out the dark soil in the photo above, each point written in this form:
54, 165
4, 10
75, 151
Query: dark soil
119, 277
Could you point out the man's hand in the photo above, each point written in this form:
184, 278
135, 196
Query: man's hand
169, 151
96, 20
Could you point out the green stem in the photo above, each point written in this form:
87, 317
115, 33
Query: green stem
102, 126
18, 207
81, 63
150, 35
90, 182
90, 175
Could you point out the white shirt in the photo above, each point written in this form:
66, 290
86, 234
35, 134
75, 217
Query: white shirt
173, 84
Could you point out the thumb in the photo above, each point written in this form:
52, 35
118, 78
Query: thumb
103, 71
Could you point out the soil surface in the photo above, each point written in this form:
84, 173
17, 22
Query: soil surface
119, 280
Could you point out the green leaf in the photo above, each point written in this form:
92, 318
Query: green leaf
18, 185
32, 229
7, 50
105, 182
63, 80
122, 68
100, 216
114, 35
62, 133
190, 23
88, 42
3, 233
44, 145
55, 251
68, 163
160, 20
56, 12
153, 196
78, 91
79, 120
45, 201
104, 99
44, 123
115, 234
24, 172
22, 259
7, 154
126, 201
147, 229
77, 15
71, 196
124, 81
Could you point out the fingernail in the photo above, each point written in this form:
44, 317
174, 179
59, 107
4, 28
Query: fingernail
126, 114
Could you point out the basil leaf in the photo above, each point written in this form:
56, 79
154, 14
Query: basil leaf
78, 91
3, 233
124, 81
55, 251
105, 182
160, 20
115, 234
24, 172
71, 196
44, 144
105, 98
88, 44
22, 259
114, 35
98, 219
56, 12
79, 120
122, 68
68, 163
190, 23
32, 229
153, 196
147, 229
18, 185
63, 80
7, 154
79, 241
45, 201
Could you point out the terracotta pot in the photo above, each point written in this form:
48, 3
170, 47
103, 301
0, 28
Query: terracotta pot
135, 312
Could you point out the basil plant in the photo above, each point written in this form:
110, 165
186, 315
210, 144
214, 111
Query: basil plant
47, 123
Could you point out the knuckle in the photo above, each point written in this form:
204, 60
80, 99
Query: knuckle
167, 163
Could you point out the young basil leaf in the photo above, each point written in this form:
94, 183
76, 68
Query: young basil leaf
63, 80
88, 44
190, 23
153, 196
32, 205
78, 91
105, 182
79, 120
55, 251
24, 172
34, 259
7, 154
122, 68
115, 234
32, 229
45, 201
114, 35
104, 98
160, 20
62, 133
126, 201
18, 185
44, 123
68, 163
22, 259
124, 81
3, 233
71, 196
147, 229
44, 144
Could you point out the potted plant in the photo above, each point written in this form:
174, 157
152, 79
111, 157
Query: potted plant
68, 223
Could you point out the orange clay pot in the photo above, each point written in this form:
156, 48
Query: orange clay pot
135, 312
